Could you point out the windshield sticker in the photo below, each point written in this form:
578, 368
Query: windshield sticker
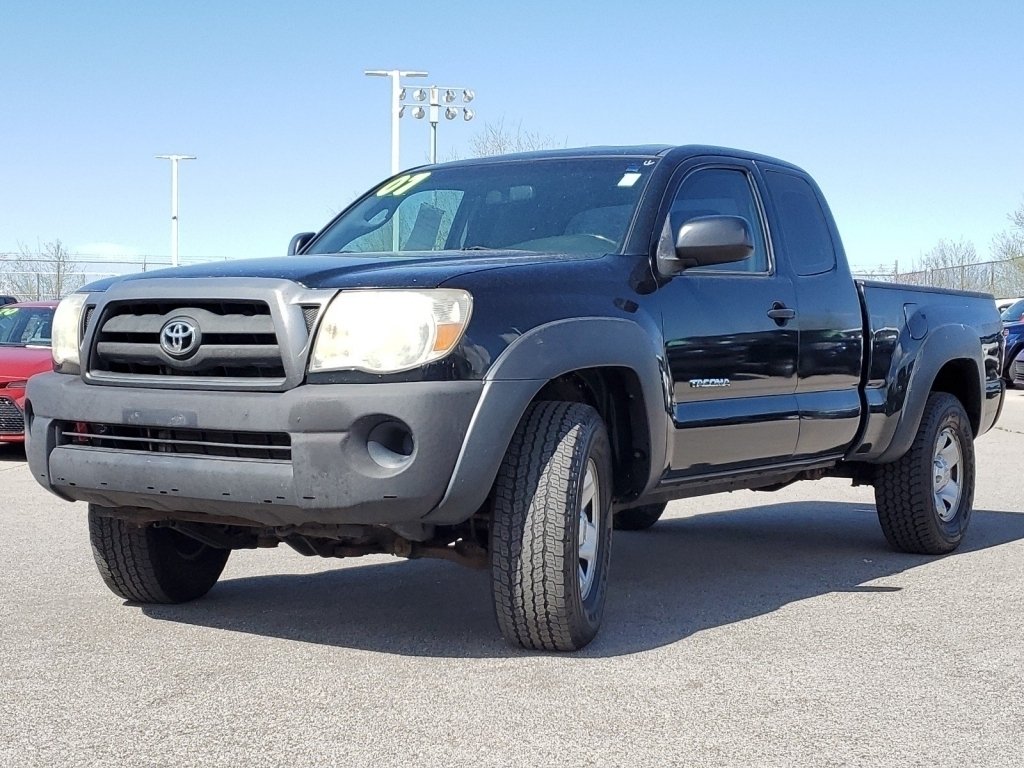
629, 178
402, 184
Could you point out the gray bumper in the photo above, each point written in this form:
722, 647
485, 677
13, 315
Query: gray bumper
331, 477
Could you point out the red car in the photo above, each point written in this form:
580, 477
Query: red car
24, 352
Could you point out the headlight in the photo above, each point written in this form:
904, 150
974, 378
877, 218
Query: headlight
64, 336
389, 331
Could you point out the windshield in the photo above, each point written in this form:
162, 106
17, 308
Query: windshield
25, 326
1014, 313
577, 205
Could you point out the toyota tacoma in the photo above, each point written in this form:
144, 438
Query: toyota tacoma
498, 362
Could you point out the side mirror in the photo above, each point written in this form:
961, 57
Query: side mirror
709, 240
299, 242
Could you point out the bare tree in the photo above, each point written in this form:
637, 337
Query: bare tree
951, 264
955, 264
1009, 244
1008, 250
950, 253
498, 139
50, 272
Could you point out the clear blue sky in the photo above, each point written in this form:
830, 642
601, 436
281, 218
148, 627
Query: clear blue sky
909, 114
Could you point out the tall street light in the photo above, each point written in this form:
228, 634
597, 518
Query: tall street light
436, 97
174, 201
396, 93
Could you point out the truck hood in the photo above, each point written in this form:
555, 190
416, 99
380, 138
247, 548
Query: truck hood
412, 269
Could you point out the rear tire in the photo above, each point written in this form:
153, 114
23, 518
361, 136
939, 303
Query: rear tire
1008, 378
146, 564
639, 518
550, 535
925, 498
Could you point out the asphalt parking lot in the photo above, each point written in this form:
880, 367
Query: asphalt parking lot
744, 629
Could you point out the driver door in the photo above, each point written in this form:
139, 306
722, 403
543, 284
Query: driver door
730, 339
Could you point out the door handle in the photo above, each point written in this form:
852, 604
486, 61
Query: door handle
780, 313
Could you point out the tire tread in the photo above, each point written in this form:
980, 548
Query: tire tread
135, 564
903, 492
528, 552
119, 550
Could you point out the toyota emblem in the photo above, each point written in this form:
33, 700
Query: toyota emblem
180, 337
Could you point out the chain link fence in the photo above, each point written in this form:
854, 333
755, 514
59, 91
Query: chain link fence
1000, 278
40, 276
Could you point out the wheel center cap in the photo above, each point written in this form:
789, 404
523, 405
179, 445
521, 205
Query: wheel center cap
942, 473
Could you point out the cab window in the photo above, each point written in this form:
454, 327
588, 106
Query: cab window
718, 192
802, 224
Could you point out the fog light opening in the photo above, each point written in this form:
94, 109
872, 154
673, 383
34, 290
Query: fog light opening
390, 444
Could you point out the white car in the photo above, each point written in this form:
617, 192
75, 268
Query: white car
1003, 304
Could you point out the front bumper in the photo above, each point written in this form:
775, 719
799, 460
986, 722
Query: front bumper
330, 478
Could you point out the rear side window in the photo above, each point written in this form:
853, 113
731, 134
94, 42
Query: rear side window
805, 234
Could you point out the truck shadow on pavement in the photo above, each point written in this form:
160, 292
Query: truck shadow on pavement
683, 576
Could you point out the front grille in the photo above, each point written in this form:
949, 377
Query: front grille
238, 340
12, 420
309, 315
265, 446
1018, 368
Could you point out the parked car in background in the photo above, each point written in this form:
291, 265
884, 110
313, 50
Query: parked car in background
24, 352
1013, 329
1011, 310
1017, 372
5, 299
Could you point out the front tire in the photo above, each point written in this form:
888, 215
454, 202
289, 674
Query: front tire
550, 537
925, 498
146, 564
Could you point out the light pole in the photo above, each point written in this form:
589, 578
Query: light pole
434, 96
396, 97
174, 201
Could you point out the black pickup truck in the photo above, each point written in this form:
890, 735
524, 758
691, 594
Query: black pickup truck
499, 361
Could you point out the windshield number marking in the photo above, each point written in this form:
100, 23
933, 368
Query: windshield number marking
399, 186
